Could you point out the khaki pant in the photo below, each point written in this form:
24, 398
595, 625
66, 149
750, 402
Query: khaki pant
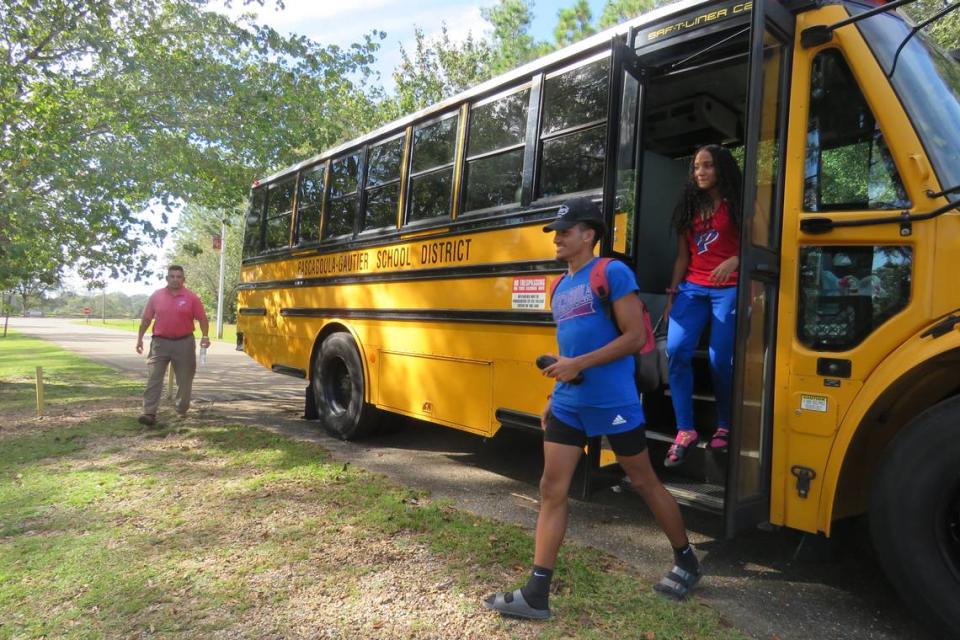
181, 354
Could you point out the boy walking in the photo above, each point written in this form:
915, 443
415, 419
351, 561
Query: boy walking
605, 402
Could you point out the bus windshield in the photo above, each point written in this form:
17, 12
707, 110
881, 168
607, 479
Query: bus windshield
928, 83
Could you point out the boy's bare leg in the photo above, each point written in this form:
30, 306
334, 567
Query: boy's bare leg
559, 464
645, 482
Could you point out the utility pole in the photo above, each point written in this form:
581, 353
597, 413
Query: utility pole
103, 304
223, 253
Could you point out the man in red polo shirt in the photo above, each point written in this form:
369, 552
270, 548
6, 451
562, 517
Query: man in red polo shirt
172, 311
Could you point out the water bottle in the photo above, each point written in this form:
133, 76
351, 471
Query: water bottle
203, 355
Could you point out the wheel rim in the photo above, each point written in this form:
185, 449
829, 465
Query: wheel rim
950, 533
337, 385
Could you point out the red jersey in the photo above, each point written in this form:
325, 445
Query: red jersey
174, 312
711, 242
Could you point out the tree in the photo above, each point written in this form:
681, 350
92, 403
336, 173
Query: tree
617, 11
574, 23
193, 250
946, 30
511, 42
107, 107
31, 290
438, 69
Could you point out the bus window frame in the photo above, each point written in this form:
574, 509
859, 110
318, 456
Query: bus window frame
366, 188
441, 220
258, 250
265, 217
527, 84
604, 51
843, 208
323, 197
361, 151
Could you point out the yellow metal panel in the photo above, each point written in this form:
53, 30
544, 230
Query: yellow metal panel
821, 441
446, 390
911, 354
484, 247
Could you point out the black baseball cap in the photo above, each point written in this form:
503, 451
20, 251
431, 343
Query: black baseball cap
574, 211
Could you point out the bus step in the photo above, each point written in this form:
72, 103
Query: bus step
706, 496
699, 495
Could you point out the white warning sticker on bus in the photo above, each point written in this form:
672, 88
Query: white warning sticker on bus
530, 293
813, 403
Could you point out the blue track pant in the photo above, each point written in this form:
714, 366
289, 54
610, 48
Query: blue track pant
694, 306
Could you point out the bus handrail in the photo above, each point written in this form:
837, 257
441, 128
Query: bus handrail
905, 220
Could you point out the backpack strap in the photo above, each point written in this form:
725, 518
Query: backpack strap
598, 280
601, 288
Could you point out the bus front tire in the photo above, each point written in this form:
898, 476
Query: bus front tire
915, 516
339, 388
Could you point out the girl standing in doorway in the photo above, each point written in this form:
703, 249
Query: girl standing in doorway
703, 290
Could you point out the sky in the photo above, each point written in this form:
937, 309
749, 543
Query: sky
343, 22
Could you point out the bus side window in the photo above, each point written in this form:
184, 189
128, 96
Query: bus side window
573, 129
383, 184
847, 292
279, 213
431, 169
494, 166
342, 203
309, 204
848, 165
253, 233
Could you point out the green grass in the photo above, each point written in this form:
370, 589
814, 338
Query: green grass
208, 528
229, 330
67, 378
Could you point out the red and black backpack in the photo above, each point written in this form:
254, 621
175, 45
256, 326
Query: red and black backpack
649, 370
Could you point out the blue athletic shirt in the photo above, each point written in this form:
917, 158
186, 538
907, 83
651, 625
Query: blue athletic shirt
583, 326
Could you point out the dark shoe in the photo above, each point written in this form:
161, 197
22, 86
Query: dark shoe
147, 420
677, 452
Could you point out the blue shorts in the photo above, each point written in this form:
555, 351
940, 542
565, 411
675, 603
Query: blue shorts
623, 443
598, 421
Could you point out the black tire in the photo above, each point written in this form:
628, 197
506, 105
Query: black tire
338, 388
915, 516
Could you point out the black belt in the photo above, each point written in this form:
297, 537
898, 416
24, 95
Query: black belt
189, 335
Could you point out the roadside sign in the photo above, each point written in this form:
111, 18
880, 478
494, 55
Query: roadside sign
217, 243
87, 311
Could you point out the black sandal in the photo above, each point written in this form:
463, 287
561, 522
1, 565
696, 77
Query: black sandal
677, 452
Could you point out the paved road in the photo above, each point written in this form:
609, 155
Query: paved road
767, 584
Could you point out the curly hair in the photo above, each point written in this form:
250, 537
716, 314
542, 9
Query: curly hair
693, 200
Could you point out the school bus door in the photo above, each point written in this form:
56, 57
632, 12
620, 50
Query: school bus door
747, 495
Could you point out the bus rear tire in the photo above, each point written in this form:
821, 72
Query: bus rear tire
915, 516
339, 389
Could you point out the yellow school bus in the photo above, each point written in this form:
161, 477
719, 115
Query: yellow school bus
406, 271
